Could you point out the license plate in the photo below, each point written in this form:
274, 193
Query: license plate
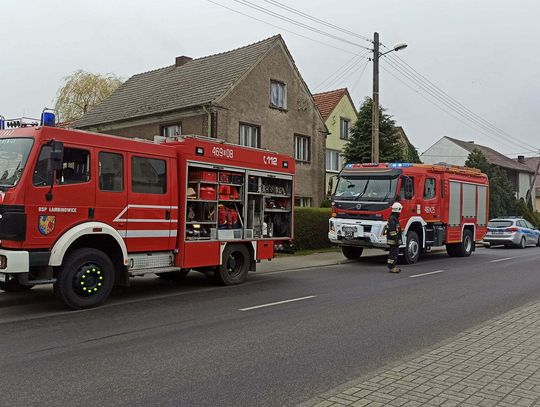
3, 278
497, 232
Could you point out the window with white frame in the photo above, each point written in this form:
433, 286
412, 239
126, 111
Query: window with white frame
171, 130
333, 160
278, 95
344, 129
250, 135
302, 148
304, 201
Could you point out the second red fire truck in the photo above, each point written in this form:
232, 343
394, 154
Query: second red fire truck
87, 211
442, 206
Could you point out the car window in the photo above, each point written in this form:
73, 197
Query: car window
521, 224
529, 224
499, 223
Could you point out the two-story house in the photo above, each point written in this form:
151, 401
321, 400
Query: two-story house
253, 96
339, 113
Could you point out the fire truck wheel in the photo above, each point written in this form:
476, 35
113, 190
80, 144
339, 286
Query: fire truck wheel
174, 275
234, 269
352, 253
85, 279
463, 249
13, 286
412, 248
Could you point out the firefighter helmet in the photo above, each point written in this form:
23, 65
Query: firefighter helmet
397, 207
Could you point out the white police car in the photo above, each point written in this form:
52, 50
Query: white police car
511, 231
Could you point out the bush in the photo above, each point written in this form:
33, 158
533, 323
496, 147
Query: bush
524, 211
311, 228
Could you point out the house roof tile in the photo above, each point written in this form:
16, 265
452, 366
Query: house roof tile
327, 101
493, 157
196, 82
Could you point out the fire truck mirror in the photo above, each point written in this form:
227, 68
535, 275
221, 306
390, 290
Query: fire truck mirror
56, 155
330, 186
409, 188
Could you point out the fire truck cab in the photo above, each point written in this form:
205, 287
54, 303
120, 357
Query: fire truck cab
87, 211
442, 206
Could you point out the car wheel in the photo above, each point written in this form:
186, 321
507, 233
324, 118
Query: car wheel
85, 279
352, 253
523, 243
412, 248
538, 242
235, 267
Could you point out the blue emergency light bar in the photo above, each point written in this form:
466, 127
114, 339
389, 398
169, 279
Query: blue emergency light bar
48, 118
399, 165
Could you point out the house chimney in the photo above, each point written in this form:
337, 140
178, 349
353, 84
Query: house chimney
521, 159
182, 60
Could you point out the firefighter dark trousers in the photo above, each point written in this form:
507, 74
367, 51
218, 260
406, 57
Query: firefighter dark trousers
393, 256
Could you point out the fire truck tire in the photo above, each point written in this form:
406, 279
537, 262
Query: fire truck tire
174, 275
352, 253
412, 248
85, 279
13, 286
235, 267
462, 249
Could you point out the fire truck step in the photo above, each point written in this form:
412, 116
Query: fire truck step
140, 272
139, 261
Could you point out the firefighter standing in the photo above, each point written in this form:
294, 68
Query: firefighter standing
393, 238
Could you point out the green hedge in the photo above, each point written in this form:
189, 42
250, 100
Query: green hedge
311, 228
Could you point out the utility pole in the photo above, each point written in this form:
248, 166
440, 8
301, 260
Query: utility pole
375, 102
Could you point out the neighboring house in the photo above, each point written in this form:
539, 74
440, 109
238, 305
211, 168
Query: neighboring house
339, 113
455, 152
253, 96
532, 163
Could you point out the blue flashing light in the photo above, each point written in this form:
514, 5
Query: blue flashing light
399, 165
2, 122
48, 118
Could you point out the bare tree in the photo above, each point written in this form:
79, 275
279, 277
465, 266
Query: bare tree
83, 90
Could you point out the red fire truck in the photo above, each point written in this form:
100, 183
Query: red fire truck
87, 211
442, 206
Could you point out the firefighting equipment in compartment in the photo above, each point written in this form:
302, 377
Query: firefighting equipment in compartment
228, 192
191, 194
397, 207
227, 217
208, 193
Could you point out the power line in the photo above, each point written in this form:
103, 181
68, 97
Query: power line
341, 72
437, 106
400, 61
296, 23
282, 28
359, 77
317, 20
456, 108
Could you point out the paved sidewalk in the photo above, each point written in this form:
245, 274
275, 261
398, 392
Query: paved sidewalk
494, 364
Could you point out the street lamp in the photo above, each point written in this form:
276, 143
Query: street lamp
375, 99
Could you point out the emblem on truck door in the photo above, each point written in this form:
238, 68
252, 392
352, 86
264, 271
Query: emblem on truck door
46, 224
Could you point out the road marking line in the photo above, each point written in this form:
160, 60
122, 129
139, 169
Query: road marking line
277, 303
506, 258
427, 274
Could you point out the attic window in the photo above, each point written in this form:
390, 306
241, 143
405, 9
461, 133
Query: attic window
278, 95
171, 130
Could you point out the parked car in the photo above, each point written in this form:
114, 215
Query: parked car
510, 231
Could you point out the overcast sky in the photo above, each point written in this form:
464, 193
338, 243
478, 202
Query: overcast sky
483, 53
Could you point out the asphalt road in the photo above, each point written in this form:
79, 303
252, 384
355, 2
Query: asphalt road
160, 343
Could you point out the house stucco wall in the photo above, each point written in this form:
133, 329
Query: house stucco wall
249, 102
445, 151
344, 109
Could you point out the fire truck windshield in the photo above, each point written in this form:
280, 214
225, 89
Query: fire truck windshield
13, 156
365, 188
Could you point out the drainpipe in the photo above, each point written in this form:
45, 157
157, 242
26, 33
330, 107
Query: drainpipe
209, 120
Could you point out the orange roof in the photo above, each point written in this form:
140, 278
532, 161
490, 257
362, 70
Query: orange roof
327, 101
